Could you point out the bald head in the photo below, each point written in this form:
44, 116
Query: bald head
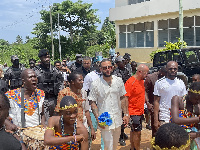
196, 78
142, 72
172, 69
25, 73
172, 63
142, 67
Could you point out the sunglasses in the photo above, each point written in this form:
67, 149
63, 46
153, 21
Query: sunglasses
107, 67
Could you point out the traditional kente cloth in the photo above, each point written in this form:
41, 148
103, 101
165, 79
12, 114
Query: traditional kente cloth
72, 146
184, 114
30, 107
79, 99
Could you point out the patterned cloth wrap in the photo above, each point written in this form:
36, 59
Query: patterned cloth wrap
29, 105
72, 146
184, 114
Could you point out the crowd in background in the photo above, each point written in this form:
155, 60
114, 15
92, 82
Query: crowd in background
68, 97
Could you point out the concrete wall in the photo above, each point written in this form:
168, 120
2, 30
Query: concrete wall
148, 11
149, 8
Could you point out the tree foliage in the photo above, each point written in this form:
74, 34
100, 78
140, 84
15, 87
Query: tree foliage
169, 46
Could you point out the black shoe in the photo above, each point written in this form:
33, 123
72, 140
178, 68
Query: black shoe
125, 136
148, 127
122, 142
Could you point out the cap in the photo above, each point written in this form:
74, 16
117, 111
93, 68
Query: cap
14, 57
127, 56
119, 58
78, 55
43, 52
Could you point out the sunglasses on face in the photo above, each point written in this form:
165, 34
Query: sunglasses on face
107, 67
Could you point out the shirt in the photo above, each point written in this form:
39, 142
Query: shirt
30, 107
149, 85
166, 89
136, 96
8, 141
89, 78
108, 98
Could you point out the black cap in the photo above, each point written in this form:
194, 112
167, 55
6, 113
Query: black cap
127, 56
119, 58
78, 55
14, 57
43, 52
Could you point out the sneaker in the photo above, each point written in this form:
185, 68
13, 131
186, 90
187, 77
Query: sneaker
122, 142
148, 127
125, 136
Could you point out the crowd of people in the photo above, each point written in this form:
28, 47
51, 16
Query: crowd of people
69, 98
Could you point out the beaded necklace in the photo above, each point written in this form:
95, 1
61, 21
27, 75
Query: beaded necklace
63, 130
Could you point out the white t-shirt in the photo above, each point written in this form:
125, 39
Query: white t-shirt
89, 78
108, 98
166, 89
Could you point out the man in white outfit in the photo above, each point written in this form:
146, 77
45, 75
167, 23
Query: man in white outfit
107, 95
164, 89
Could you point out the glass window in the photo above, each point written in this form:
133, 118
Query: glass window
174, 23
197, 20
130, 28
162, 37
122, 40
188, 22
188, 36
122, 28
149, 38
139, 27
174, 34
132, 2
197, 36
149, 25
131, 40
140, 39
163, 24
139, 1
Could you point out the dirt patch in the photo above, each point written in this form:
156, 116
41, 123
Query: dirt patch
145, 140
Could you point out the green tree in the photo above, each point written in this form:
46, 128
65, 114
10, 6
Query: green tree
77, 19
19, 39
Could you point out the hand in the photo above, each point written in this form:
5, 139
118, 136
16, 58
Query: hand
150, 107
10, 126
156, 125
93, 134
80, 138
126, 120
102, 127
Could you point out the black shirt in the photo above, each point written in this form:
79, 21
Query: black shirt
82, 71
8, 141
124, 74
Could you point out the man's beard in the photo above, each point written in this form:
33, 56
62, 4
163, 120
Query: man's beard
106, 75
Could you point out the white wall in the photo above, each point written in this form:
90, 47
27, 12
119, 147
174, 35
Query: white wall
123, 11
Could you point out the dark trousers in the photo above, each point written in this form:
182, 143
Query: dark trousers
122, 129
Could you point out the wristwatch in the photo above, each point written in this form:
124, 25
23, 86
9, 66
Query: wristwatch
125, 114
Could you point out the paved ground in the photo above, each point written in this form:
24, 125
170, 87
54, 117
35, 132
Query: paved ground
145, 140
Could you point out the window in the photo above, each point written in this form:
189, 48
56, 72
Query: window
168, 30
136, 35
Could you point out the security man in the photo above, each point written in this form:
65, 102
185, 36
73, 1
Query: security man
50, 80
12, 76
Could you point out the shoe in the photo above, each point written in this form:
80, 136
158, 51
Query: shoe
122, 142
148, 127
125, 136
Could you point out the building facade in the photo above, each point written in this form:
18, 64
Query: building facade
142, 26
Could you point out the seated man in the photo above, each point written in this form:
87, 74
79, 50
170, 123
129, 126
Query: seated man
29, 115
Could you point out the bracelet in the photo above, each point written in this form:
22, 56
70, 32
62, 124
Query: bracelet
125, 114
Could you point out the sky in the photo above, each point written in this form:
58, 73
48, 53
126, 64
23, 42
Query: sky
17, 17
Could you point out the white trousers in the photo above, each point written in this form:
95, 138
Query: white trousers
111, 138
